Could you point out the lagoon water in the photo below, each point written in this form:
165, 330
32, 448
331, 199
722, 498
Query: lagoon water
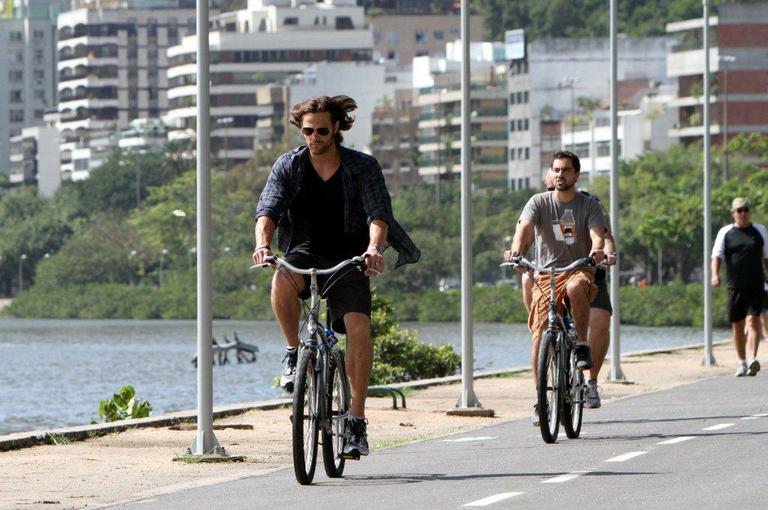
53, 373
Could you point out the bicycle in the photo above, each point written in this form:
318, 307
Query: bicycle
321, 395
560, 386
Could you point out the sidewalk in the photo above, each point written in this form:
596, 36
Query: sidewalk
137, 463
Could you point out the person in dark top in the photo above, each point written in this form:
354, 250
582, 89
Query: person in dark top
329, 203
743, 246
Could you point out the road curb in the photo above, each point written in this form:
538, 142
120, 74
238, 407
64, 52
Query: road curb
21, 440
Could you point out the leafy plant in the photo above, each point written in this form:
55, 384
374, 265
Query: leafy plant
124, 406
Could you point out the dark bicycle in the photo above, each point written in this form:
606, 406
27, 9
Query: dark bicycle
321, 395
560, 386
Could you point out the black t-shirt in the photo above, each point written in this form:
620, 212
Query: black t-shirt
318, 213
743, 250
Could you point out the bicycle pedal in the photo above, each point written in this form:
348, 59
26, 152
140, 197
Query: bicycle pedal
350, 456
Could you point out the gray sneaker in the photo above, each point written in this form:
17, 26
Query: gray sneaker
288, 376
742, 371
357, 442
754, 367
592, 396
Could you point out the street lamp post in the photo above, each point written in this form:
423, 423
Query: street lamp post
22, 258
725, 59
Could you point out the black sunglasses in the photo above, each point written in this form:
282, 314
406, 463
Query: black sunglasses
323, 131
742, 210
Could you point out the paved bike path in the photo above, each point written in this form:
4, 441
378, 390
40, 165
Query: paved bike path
702, 445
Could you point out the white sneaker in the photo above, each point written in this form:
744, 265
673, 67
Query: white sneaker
592, 400
742, 371
754, 367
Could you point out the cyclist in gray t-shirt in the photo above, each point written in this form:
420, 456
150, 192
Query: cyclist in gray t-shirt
567, 226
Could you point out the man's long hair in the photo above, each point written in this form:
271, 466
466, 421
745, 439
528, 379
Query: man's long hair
338, 106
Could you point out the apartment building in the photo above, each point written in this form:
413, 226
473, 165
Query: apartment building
738, 63
27, 76
35, 159
437, 84
254, 50
112, 67
394, 140
555, 80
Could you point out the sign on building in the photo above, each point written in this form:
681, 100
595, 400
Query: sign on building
514, 44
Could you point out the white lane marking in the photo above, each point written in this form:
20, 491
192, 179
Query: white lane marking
676, 440
750, 418
468, 439
566, 477
719, 426
493, 499
625, 456
761, 415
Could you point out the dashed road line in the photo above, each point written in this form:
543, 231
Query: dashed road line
469, 439
493, 499
625, 456
565, 477
719, 426
676, 440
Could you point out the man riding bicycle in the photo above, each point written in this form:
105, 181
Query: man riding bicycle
567, 226
330, 204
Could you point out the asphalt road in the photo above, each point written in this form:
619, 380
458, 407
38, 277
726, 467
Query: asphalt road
697, 446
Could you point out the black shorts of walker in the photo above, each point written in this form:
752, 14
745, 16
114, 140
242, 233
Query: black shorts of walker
349, 290
743, 302
603, 298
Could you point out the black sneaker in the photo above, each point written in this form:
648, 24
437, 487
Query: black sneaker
289, 370
583, 356
357, 442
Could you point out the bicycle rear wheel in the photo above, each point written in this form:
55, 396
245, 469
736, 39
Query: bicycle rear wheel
573, 398
304, 418
548, 388
337, 399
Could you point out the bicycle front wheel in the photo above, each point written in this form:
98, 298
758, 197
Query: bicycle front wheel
304, 418
573, 398
337, 399
548, 388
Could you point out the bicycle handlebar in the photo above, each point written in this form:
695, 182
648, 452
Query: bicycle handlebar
583, 262
277, 262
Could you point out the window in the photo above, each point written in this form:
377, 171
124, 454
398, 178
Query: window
38, 34
344, 23
512, 124
512, 98
376, 35
525, 96
420, 36
173, 31
17, 57
512, 154
526, 125
519, 124
16, 115
16, 96
520, 153
39, 114
527, 153
393, 37
290, 20
39, 74
15, 36
15, 76
438, 35
151, 27
39, 95
39, 56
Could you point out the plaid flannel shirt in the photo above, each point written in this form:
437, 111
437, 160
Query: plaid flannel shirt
365, 199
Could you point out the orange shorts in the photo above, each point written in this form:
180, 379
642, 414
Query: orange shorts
538, 317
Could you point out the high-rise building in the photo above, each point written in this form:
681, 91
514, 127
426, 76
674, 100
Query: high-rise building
394, 141
252, 52
27, 69
112, 69
738, 63
35, 159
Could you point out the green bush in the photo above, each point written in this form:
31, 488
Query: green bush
124, 406
400, 356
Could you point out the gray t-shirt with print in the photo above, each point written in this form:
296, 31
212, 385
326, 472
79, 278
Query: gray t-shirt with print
562, 228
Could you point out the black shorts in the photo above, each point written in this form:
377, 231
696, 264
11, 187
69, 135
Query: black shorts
349, 289
743, 302
603, 298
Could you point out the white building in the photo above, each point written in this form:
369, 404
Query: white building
639, 130
27, 76
547, 84
262, 45
35, 159
112, 70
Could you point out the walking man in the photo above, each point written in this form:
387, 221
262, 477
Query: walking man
330, 204
743, 246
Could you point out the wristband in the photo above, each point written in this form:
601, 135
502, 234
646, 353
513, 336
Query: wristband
263, 245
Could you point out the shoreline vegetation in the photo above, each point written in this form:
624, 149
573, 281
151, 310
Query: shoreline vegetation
670, 305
